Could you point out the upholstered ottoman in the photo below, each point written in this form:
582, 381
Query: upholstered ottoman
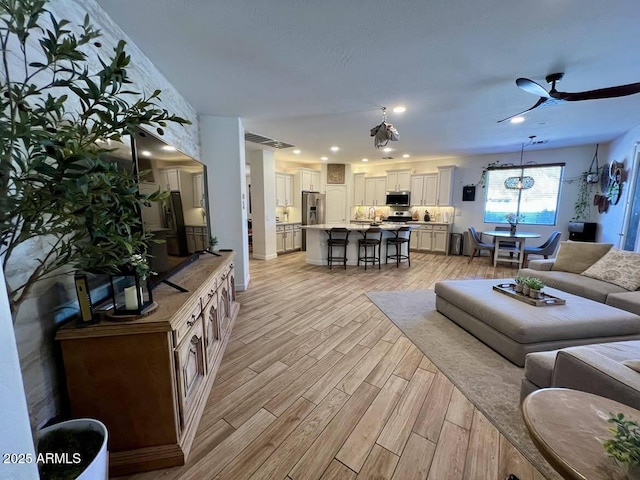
599, 369
514, 328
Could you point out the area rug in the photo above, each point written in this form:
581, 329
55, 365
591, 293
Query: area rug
488, 380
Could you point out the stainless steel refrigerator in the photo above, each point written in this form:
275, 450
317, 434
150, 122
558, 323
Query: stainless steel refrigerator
174, 218
312, 212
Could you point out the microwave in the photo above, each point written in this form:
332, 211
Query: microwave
398, 199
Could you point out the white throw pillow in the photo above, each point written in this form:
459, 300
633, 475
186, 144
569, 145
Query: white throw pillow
619, 267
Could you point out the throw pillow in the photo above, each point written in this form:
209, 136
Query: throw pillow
632, 364
619, 267
576, 257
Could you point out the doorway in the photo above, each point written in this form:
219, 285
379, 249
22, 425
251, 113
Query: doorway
632, 217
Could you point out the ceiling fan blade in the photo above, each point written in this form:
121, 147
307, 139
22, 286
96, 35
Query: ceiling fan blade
609, 92
537, 104
532, 87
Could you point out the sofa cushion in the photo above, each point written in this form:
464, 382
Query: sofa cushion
618, 267
629, 301
538, 367
576, 257
632, 364
576, 284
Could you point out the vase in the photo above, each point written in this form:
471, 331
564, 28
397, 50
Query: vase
512, 229
535, 293
525, 290
519, 287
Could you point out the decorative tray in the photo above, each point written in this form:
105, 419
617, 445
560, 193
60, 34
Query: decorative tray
544, 300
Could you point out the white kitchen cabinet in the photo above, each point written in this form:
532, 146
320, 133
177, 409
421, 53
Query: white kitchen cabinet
198, 190
424, 189
309, 180
375, 190
359, 189
197, 238
445, 185
284, 190
398, 180
171, 179
288, 237
432, 238
336, 204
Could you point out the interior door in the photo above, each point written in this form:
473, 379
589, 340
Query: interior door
336, 204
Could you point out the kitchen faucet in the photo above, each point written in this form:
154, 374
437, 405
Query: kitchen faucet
374, 213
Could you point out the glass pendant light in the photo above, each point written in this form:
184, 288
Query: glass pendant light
522, 182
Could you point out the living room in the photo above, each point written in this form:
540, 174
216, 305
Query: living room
208, 139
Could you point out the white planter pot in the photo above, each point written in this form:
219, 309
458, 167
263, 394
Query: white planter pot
98, 469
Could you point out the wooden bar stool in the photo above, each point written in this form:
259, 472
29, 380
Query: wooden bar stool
371, 238
338, 237
398, 240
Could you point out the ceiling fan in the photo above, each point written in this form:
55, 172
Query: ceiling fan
554, 97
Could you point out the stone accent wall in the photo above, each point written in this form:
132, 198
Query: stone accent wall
38, 318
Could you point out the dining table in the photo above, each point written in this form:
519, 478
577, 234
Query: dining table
519, 238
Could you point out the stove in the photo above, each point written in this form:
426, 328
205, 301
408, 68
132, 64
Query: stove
399, 216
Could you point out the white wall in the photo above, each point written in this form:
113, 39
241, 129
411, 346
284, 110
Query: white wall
222, 147
622, 149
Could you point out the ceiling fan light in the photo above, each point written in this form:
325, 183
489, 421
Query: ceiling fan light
519, 183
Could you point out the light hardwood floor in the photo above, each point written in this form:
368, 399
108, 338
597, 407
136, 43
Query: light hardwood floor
317, 383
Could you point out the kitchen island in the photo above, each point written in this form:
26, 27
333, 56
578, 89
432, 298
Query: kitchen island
317, 240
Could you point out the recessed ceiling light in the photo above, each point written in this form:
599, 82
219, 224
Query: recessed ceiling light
399, 109
406, 155
297, 152
324, 158
518, 119
365, 159
335, 149
169, 148
145, 153
387, 149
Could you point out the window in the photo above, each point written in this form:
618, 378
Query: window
538, 205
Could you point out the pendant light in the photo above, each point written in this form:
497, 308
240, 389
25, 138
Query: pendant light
521, 182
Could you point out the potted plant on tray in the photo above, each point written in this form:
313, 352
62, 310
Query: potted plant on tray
535, 287
625, 446
520, 281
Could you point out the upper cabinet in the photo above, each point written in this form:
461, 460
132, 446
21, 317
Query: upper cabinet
359, 189
445, 185
309, 179
398, 180
198, 190
375, 191
284, 190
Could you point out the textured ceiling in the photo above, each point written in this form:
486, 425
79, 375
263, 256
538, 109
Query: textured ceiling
315, 74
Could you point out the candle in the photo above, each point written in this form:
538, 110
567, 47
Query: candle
130, 298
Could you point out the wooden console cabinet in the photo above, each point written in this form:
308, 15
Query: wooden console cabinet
148, 379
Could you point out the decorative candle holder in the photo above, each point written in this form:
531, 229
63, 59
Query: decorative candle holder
131, 295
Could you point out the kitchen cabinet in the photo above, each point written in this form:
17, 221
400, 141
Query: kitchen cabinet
359, 189
198, 190
375, 191
445, 185
288, 238
309, 180
176, 179
336, 204
398, 180
432, 238
197, 238
148, 379
284, 190
424, 189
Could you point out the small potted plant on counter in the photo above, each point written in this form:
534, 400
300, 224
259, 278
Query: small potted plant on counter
520, 280
535, 287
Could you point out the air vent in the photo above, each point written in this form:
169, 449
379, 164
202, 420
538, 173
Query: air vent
268, 142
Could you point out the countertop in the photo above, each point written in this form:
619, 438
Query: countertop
288, 223
360, 226
410, 222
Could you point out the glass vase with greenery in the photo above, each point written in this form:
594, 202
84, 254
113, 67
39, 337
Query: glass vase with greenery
625, 446
58, 119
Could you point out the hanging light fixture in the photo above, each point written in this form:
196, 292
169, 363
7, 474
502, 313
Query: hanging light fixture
521, 182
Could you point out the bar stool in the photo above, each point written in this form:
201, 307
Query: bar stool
371, 238
398, 241
338, 237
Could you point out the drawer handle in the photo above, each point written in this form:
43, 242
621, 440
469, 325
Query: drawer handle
191, 322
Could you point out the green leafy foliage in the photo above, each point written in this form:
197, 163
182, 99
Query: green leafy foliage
625, 446
57, 122
534, 283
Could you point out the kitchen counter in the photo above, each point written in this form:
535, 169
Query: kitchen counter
289, 223
317, 240
421, 222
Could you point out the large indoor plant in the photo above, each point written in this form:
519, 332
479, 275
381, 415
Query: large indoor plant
58, 122
625, 445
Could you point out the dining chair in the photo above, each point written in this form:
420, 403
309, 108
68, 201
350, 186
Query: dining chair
511, 246
398, 240
371, 238
478, 245
547, 249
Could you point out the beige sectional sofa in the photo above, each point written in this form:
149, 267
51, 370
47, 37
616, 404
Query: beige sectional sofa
603, 274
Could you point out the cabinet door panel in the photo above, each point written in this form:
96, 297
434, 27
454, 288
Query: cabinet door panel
439, 243
381, 191
416, 190
190, 366
431, 189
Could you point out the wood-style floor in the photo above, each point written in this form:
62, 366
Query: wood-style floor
317, 383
